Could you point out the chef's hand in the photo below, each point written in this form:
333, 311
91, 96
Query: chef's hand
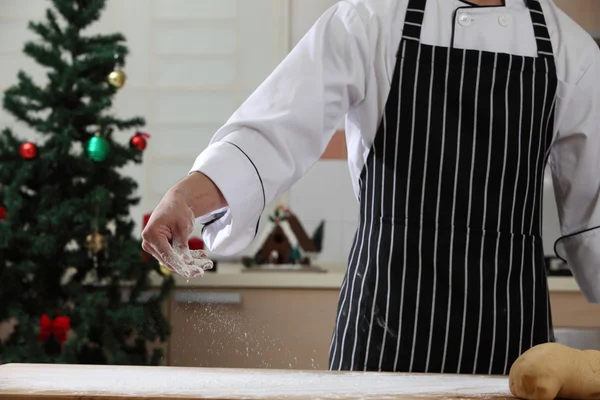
167, 233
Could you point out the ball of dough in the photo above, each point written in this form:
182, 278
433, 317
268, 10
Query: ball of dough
551, 371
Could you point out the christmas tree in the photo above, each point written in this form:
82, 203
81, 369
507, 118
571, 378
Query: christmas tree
74, 282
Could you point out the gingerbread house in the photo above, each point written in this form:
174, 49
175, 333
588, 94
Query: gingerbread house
285, 241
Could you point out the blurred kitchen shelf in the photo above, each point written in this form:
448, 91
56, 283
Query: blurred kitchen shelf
563, 284
231, 276
285, 268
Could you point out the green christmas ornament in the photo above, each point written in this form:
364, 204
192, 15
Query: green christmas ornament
97, 148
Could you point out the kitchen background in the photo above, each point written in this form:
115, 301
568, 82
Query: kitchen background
191, 64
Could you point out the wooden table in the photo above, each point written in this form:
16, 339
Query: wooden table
53, 382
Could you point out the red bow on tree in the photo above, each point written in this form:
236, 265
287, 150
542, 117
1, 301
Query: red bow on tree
59, 327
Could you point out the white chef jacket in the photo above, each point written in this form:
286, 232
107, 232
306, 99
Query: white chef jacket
343, 68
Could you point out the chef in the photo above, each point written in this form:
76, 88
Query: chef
452, 109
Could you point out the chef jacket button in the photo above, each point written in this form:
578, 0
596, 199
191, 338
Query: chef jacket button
504, 20
464, 19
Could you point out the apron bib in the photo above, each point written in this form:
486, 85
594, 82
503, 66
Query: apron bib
446, 273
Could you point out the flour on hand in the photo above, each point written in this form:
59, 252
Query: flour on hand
188, 263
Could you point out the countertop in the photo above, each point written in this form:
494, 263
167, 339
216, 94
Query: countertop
230, 275
62, 382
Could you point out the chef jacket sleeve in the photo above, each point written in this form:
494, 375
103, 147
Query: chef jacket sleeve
575, 164
284, 127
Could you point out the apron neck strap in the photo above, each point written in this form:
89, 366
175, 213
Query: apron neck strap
542, 36
413, 21
415, 14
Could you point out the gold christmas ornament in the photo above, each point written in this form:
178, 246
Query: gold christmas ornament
117, 78
95, 242
164, 270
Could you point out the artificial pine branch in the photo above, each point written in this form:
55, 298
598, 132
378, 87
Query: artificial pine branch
53, 23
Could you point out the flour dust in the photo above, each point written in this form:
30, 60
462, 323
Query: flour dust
225, 333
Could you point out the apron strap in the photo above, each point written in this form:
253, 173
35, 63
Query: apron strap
415, 14
542, 36
413, 21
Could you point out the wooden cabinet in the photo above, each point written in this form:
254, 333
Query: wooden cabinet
285, 328
572, 310
585, 12
252, 328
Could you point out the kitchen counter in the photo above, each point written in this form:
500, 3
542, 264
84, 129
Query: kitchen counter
63, 382
230, 275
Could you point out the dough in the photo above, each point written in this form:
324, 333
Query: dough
551, 371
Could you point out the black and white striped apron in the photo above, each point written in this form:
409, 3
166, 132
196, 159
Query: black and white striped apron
446, 273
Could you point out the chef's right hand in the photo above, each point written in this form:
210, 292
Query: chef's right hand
167, 233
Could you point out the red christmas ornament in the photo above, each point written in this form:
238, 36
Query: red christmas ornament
2, 213
28, 151
59, 327
195, 244
146, 219
146, 256
139, 141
